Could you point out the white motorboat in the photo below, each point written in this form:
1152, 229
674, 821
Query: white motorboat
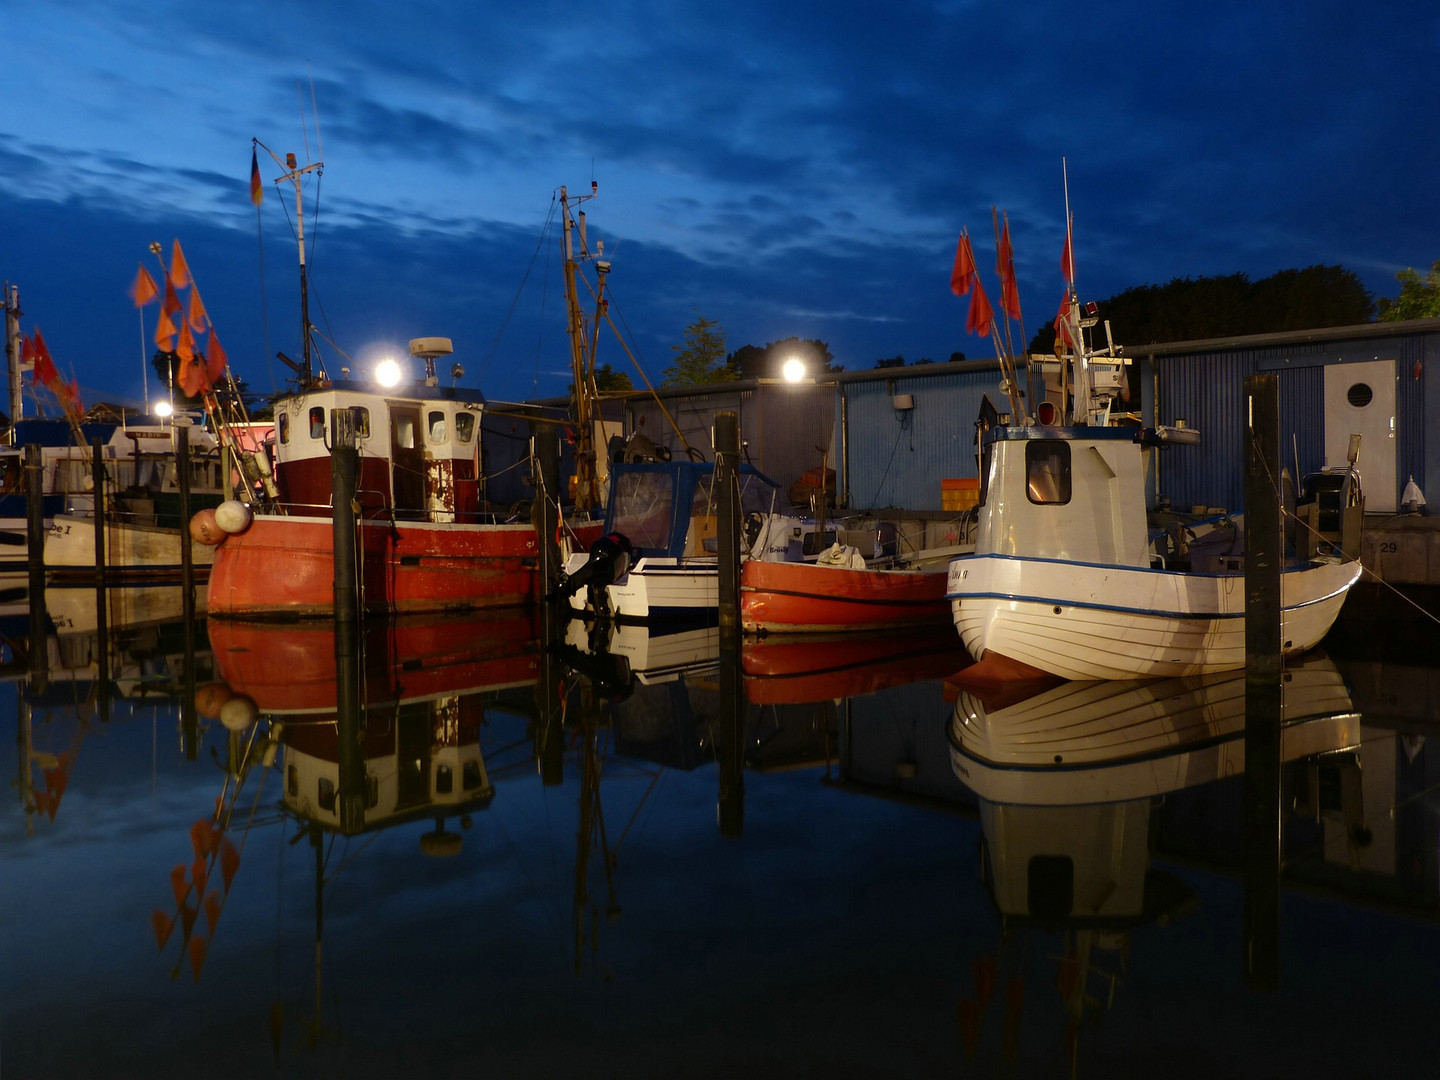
1066, 578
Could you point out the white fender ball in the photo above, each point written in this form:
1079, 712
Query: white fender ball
232, 516
238, 713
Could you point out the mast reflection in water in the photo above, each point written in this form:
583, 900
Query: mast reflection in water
587, 859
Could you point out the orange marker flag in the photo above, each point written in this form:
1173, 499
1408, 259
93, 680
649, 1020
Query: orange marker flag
963, 272
179, 268
257, 193
1005, 267
165, 332
171, 304
1067, 253
215, 359
981, 313
198, 318
144, 290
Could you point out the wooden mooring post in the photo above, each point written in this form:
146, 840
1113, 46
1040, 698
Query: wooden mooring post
730, 740
1264, 555
35, 562
344, 468
549, 738
102, 596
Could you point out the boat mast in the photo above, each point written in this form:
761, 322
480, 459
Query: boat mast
294, 173
582, 345
12, 353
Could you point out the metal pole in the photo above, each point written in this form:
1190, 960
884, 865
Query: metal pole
102, 607
727, 526
344, 466
1264, 554
187, 557
35, 558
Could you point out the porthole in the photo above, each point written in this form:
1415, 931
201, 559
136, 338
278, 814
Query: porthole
1359, 395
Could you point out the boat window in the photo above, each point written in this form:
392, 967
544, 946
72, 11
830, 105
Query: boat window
362, 421
404, 431
464, 427
444, 780
470, 775
643, 504
1047, 471
325, 793
435, 422
317, 422
283, 424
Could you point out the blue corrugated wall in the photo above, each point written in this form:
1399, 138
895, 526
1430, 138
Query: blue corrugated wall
896, 457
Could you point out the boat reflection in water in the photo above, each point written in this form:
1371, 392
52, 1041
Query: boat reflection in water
409, 747
1068, 782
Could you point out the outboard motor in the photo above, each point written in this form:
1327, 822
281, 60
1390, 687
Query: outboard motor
609, 561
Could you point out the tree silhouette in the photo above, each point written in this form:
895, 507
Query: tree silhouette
1419, 296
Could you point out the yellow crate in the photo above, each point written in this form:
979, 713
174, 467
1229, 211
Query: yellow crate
959, 493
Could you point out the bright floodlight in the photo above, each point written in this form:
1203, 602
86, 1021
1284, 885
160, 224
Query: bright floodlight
163, 409
387, 373
794, 370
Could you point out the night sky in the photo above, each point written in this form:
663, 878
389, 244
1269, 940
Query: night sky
796, 169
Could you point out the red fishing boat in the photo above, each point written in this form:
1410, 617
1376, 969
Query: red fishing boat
443, 514
808, 597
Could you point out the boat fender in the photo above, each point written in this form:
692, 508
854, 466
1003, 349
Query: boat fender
232, 516
211, 698
204, 530
238, 713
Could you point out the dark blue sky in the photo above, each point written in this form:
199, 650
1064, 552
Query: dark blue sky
799, 169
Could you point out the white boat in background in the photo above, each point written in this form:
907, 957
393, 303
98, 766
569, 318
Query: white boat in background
1065, 579
1108, 741
657, 560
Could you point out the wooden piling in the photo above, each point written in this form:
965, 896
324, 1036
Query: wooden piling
187, 555
727, 525
344, 468
102, 597
1264, 556
35, 558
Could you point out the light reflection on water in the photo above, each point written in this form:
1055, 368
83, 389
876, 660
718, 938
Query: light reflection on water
552, 862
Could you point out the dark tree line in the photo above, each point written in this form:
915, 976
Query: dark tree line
1189, 309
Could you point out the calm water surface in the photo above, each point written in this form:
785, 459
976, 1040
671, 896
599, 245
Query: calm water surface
529, 865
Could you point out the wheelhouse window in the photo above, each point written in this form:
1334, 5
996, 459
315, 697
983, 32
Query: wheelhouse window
362, 421
282, 425
1047, 471
464, 427
435, 426
644, 503
317, 423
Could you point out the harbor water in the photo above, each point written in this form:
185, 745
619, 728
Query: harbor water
646, 858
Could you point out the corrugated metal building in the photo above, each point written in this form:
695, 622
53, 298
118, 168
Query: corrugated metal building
892, 435
1380, 381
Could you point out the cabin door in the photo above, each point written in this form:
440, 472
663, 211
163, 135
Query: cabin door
1360, 400
407, 461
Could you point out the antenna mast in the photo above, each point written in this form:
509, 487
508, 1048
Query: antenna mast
582, 345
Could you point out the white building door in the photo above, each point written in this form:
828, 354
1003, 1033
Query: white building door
1360, 400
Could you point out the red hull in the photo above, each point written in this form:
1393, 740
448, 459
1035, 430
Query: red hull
285, 566
792, 671
777, 597
289, 668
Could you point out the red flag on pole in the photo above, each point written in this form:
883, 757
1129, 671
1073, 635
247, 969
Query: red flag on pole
45, 372
1067, 255
257, 193
963, 272
215, 359
144, 290
197, 316
165, 331
179, 268
1062, 324
1005, 267
981, 313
